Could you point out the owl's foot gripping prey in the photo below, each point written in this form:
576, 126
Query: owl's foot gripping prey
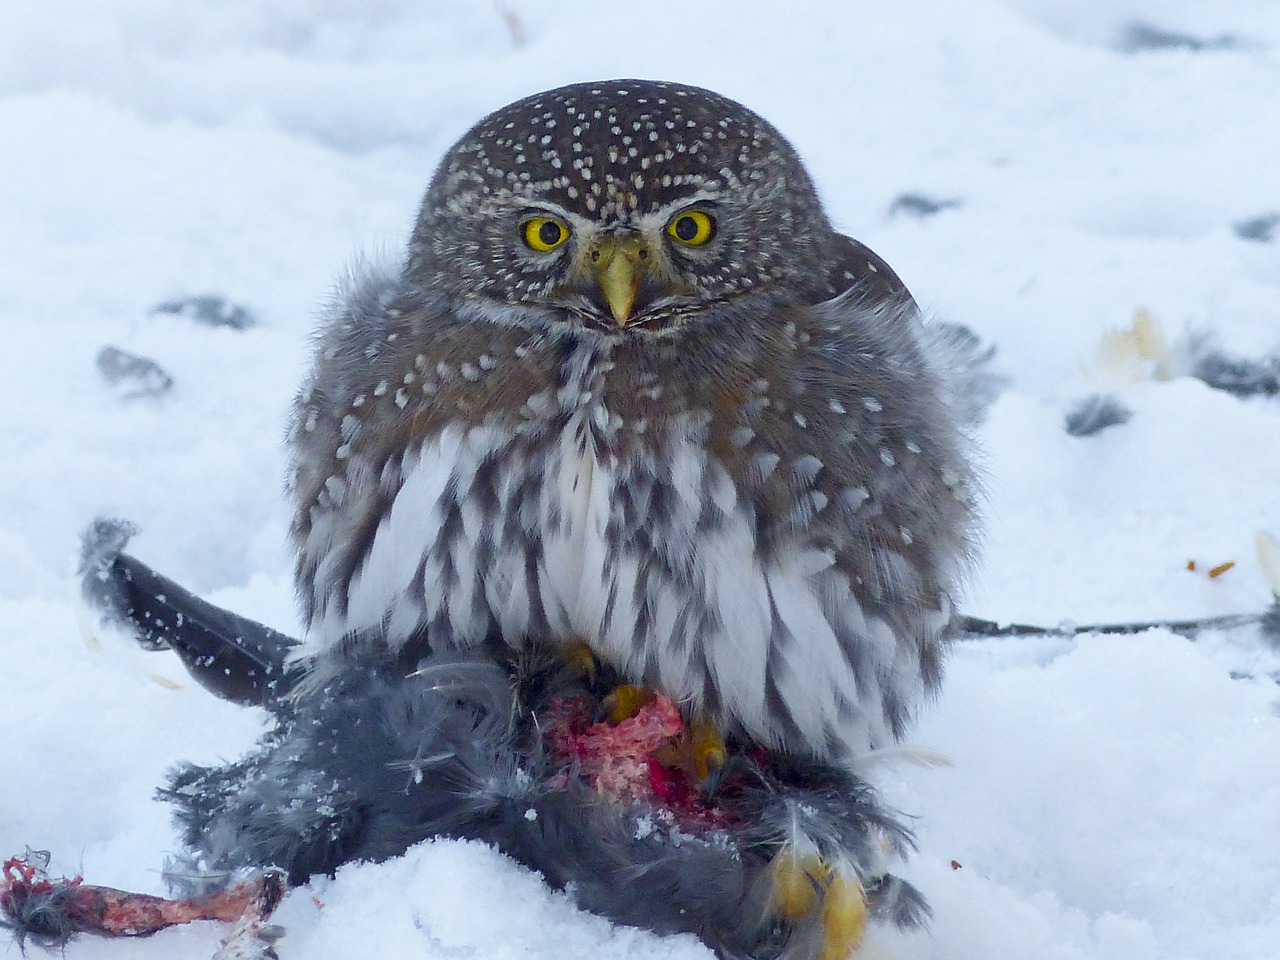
787, 859
699, 750
805, 885
642, 750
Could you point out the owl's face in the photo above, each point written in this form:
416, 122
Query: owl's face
623, 205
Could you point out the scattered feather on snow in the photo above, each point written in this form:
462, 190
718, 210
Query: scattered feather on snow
132, 375
1094, 413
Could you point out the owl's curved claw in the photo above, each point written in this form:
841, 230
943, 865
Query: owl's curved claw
708, 755
700, 751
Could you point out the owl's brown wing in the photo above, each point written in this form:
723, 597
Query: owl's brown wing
859, 265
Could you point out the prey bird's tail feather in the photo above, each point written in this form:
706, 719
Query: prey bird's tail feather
231, 656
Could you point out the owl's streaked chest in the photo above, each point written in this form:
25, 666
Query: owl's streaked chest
597, 508
505, 522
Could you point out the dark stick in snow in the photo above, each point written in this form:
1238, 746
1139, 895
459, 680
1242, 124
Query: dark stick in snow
975, 628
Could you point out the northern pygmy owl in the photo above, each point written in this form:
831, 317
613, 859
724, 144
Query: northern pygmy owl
630, 387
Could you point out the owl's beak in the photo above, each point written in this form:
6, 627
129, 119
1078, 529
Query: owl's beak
621, 264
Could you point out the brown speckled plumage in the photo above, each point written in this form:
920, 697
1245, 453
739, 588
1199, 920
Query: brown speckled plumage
752, 495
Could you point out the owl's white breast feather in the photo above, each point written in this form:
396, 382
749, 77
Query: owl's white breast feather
698, 610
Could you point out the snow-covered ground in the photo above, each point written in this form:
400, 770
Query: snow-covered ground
1109, 797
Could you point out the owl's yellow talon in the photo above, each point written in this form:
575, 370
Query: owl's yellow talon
802, 885
700, 752
624, 702
707, 753
795, 890
844, 917
581, 659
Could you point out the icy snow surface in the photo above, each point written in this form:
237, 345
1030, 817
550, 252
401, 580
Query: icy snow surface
1109, 797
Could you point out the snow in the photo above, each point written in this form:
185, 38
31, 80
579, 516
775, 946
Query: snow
1108, 796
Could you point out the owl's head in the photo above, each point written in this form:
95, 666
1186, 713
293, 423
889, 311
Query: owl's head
621, 204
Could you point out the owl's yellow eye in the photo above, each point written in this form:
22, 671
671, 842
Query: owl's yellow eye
692, 228
545, 233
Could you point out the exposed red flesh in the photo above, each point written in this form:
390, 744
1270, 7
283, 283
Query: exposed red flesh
107, 911
618, 759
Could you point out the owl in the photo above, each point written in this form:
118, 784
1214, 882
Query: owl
630, 389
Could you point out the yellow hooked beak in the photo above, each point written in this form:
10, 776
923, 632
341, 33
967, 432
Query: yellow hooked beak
621, 264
